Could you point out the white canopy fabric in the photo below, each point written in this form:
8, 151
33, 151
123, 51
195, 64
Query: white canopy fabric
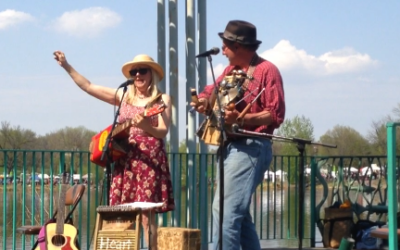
86, 176
366, 171
43, 176
280, 173
352, 170
375, 167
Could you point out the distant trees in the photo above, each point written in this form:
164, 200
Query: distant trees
348, 141
15, 137
75, 139
299, 127
378, 137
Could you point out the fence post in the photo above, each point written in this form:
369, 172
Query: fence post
346, 244
391, 174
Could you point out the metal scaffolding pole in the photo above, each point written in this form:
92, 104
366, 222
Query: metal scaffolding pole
161, 34
174, 93
202, 82
190, 119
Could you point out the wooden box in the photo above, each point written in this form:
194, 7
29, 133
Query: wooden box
177, 238
338, 225
117, 228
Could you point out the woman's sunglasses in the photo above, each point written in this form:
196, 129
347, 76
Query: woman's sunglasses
134, 72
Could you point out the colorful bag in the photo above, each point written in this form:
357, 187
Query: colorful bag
41, 241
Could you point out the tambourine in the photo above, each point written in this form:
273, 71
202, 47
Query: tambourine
230, 90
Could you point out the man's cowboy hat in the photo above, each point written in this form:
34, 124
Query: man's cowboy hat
141, 61
241, 32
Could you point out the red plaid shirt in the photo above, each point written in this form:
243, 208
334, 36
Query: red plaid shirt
266, 75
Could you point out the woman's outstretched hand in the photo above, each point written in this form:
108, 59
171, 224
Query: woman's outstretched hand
59, 56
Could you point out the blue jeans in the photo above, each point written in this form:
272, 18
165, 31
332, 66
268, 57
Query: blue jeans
245, 162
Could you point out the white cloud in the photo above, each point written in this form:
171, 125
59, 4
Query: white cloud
346, 60
9, 18
88, 22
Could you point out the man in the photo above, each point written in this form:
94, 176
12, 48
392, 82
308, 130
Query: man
245, 158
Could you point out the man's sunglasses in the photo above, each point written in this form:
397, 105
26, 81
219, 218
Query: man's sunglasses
134, 72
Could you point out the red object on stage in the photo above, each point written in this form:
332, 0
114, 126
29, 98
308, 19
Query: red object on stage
97, 144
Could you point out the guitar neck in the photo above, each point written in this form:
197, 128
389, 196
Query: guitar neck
149, 111
121, 127
61, 211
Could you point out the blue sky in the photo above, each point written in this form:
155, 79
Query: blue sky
339, 59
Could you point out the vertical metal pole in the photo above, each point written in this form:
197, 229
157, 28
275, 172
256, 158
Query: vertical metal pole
190, 119
174, 93
301, 148
312, 202
392, 182
346, 244
202, 82
161, 59
161, 34
5, 196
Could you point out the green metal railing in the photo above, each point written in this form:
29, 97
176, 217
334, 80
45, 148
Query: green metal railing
30, 200
392, 184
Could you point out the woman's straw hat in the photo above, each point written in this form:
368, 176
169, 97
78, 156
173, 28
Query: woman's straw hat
140, 61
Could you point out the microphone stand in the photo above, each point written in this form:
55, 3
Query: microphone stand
220, 154
106, 148
300, 144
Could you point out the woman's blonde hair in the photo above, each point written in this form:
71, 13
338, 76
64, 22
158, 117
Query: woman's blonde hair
152, 89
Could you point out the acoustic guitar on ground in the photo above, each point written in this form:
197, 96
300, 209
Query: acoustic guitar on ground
59, 235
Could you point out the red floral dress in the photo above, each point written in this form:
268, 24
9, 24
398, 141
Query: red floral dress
143, 174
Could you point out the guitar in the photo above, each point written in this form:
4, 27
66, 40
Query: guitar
60, 236
120, 134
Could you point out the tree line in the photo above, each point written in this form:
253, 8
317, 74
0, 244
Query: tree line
18, 138
348, 140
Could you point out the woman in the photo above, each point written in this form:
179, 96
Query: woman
143, 174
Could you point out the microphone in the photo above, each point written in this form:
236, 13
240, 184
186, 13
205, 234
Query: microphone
126, 83
213, 51
235, 128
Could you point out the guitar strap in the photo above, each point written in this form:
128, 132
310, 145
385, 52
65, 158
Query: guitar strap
250, 71
153, 100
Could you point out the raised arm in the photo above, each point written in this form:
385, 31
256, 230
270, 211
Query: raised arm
105, 94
